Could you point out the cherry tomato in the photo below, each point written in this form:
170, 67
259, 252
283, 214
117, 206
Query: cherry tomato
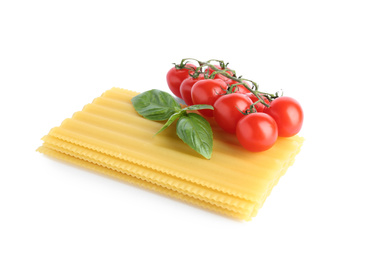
288, 115
219, 76
238, 88
257, 132
259, 106
186, 86
175, 77
207, 91
227, 110
224, 78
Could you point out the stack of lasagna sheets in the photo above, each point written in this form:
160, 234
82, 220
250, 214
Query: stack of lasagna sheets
108, 136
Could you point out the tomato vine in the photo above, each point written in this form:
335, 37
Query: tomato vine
205, 66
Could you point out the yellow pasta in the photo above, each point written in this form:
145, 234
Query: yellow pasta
148, 175
110, 137
141, 183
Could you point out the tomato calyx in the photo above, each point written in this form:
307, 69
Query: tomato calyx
184, 65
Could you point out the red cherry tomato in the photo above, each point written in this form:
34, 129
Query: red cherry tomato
224, 78
257, 132
175, 77
219, 76
207, 91
288, 115
186, 86
238, 88
226, 110
259, 106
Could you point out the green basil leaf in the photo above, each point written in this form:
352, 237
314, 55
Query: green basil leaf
171, 120
198, 107
155, 105
195, 131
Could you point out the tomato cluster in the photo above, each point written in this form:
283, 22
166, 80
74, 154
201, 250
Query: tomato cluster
255, 117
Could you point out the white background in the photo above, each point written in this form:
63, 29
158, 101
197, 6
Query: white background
56, 56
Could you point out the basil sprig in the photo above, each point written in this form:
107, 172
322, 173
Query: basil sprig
192, 128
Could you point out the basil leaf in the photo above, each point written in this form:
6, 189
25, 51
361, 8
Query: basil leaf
192, 128
195, 131
171, 120
155, 105
198, 107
